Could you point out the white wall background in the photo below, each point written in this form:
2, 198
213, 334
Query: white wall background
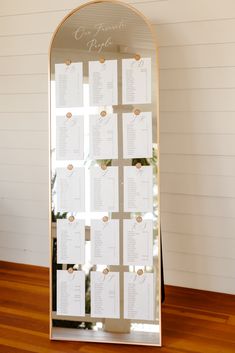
197, 100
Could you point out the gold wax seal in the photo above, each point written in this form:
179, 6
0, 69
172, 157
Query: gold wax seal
138, 165
69, 115
103, 113
105, 271
103, 166
102, 60
139, 219
70, 167
137, 111
68, 62
137, 57
140, 272
70, 270
71, 218
105, 219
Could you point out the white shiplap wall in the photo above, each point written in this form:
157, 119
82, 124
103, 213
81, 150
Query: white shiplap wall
197, 101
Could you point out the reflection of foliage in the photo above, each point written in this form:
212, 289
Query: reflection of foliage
148, 161
58, 215
107, 162
154, 163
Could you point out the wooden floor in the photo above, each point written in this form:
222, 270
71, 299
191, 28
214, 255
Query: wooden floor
193, 321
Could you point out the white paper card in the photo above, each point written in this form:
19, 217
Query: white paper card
103, 83
137, 135
138, 189
136, 81
69, 85
70, 293
69, 138
70, 186
138, 296
105, 242
138, 242
105, 295
70, 241
103, 137
104, 189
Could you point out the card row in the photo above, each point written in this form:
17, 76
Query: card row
139, 295
103, 136
104, 189
103, 83
104, 238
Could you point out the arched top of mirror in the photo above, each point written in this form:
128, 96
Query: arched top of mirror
104, 29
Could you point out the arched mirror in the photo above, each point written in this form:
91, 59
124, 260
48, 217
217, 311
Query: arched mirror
105, 238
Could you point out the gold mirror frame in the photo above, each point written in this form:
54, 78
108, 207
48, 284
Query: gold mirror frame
111, 331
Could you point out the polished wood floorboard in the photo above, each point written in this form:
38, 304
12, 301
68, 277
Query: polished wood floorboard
193, 321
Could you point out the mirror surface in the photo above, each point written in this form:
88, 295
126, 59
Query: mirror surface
95, 32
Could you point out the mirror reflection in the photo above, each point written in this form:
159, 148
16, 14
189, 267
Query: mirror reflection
104, 177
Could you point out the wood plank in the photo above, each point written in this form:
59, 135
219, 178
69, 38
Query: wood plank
25, 225
23, 190
193, 320
26, 157
25, 45
196, 32
25, 256
199, 144
198, 281
20, 174
37, 102
34, 23
13, 8
198, 205
197, 100
161, 11
26, 64
201, 245
197, 263
204, 185
33, 32
17, 207
217, 226
185, 11
24, 84
196, 56
32, 242
24, 121
24, 268
197, 78
215, 122
24, 139
202, 165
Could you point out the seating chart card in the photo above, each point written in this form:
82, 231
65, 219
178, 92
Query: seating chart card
105, 242
138, 189
138, 242
105, 295
136, 81
103, 136
69, 85
104, 189
69, 137
70, 189
137, 135
139, 296
70, 241
103, 83
70, 293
